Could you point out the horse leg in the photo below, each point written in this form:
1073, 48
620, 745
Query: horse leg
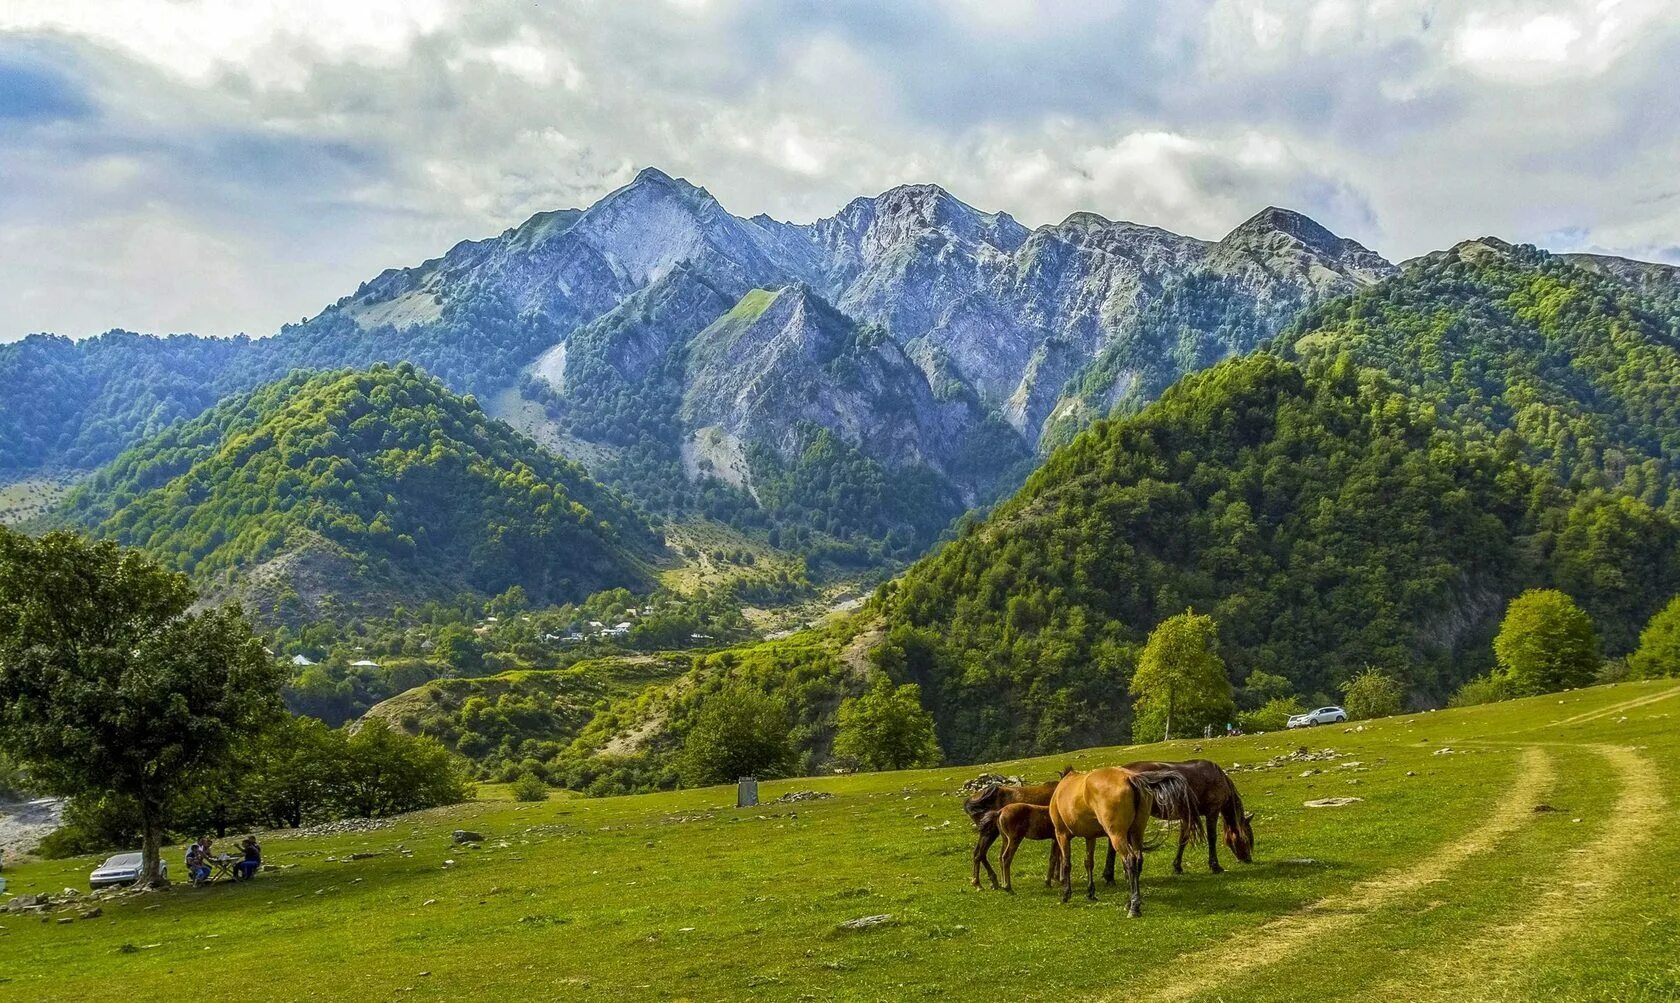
1183, 841
1108, 868
1134, 878
1090, 868
1053, 871
981, 848
1213, 846
1006, 857
1064, 849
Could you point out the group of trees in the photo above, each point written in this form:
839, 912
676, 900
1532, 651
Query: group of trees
115, 692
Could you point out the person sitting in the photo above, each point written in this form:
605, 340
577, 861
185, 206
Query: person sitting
247, 867
198, 860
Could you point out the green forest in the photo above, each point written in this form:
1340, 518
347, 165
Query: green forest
405, 483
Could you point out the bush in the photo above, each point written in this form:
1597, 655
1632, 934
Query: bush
1273, 715
93, 824
1490, 688
1372, 694
530, 787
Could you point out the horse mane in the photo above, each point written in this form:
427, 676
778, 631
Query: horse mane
987, 820
1063, 775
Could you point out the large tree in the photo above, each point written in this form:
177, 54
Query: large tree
109, 682
1546, 643
1181, 680
886, 728
739, 732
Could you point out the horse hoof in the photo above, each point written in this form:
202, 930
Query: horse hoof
1134, 913
1177, 869
1217, 869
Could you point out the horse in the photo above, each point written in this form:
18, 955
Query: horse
1114, 802
990, 801
1021, 821
1217, 796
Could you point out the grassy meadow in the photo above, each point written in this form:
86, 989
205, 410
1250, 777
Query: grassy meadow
1537, 859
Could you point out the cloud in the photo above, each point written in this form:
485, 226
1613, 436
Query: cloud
188, 164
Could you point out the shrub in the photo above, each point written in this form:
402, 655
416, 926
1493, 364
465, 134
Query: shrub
1372, 693
1658, 653
530, 787
1273, 715
739, 732
1490, 688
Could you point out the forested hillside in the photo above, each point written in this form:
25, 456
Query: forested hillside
1323, 514
1578, 368
320, 491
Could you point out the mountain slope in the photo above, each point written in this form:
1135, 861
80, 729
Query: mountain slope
1580, 366
1325, 519
382, 477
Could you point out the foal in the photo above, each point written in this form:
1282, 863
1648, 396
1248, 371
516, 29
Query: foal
1027, 821
991, 801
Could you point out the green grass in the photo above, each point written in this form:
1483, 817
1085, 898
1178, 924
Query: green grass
681, 896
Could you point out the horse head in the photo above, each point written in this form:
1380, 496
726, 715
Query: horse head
1240, 837
990, 798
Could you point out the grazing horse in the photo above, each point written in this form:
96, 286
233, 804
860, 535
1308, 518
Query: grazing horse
1114, 802
992, 800
1217, 796
1016, 822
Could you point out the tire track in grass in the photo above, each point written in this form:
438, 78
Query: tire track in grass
1487, 966
1213, 968
1614, 709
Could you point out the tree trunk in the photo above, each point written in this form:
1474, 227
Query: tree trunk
1168, 734
151, 851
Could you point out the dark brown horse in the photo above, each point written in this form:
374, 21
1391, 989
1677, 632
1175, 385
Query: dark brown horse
1217, 797
991, 801
1114, 803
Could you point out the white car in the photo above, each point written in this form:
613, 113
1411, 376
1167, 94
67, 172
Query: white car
120, 869
1323, 715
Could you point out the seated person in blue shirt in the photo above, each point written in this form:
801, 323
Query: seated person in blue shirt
247, 867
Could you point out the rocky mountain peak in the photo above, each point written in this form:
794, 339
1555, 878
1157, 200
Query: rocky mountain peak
1274, 220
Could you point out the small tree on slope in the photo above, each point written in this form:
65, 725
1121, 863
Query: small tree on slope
1658, 653
108, 683
886, 728
1180, 680
1546, 643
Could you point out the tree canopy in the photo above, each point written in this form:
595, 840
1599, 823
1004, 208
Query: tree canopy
109, 683
1546, 643
1180, 680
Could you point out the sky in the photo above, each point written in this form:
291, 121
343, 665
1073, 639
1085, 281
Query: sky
183, 165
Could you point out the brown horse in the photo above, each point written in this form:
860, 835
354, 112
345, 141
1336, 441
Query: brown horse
1218, 798
1114, 802
992, 800
1021, 821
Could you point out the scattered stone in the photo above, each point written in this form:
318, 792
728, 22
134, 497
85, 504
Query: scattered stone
429, 902
344, 827
1411, 773
1445, 750
1330, 802
986, 780
66, 919
369, 854
867, 922
467, 836
93, 913
1311, 773
792, 797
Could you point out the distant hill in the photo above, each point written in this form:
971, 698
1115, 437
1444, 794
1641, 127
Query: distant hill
332, 493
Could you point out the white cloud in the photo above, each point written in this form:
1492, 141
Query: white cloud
275, 154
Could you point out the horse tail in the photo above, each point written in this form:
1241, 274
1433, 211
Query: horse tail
987, 821
1176, 798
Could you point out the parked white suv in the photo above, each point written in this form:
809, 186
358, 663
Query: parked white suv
1323, 715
